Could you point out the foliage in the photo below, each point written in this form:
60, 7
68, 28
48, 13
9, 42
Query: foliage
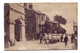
60, 19
61, 30
48, 27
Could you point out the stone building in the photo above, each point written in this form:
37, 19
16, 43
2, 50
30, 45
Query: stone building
14, 24
33, 20
21, 22
6, 23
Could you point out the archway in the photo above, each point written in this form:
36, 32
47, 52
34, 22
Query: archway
18, 30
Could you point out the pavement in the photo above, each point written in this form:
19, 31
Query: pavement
34, 45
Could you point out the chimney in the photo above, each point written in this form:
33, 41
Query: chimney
30, 6
25, 5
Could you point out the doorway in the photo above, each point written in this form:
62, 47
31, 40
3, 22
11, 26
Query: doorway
17, 30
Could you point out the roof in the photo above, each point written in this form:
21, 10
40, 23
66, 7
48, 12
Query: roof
37, 11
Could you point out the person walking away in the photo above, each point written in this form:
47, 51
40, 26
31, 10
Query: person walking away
41, 38
66, 40
61, 38
72, 38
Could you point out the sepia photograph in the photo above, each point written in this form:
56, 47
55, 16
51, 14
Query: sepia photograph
40, 26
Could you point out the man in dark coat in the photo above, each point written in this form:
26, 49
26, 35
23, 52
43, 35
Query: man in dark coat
66, 40
61, 38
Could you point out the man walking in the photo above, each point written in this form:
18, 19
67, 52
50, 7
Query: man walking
66, 40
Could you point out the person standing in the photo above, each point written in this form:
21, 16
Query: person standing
72, 38
46, 38
66, 40
41, 38
61, 38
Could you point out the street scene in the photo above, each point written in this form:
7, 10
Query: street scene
34, 45
40, 26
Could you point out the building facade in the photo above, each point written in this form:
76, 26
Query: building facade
33, 21
14, 23
21, 22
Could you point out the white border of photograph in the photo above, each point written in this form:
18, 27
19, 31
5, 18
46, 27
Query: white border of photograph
22, 1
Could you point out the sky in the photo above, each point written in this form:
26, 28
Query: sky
66, 10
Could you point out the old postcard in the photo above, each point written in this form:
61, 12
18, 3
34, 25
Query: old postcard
40, 26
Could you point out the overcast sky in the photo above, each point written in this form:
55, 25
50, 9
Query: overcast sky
67, 10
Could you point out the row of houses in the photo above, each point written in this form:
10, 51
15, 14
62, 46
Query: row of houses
21, 22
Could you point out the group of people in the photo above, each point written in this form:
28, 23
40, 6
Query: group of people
66, 38
46, 37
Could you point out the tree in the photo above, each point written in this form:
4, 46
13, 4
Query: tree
61, 30
48, 27
60, 20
